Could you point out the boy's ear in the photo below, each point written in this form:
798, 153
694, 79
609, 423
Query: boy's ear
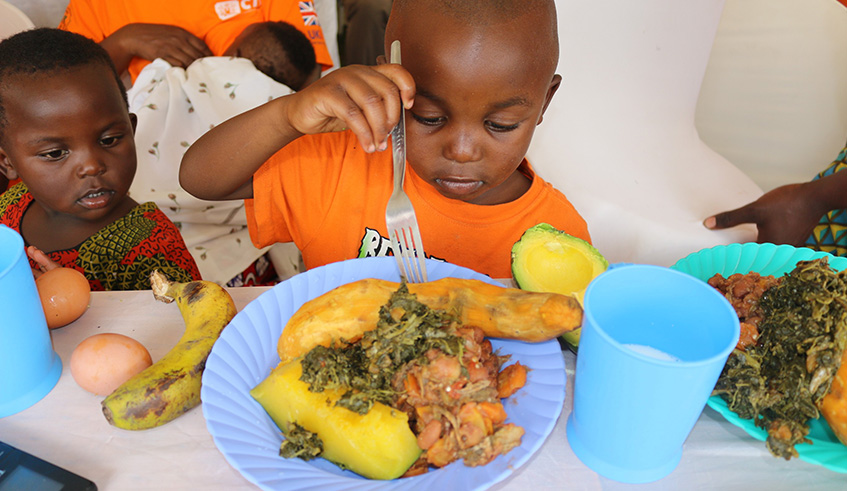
554, 86
380, 60
134, 120
6, 167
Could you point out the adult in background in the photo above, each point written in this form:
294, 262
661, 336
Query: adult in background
364, 30
135, 32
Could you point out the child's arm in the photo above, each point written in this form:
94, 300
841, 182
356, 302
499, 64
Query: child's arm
220, 165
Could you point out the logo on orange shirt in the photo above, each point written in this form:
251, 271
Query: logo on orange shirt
231, 8
228, 9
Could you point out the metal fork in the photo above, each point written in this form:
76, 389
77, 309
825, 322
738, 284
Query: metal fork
403, 230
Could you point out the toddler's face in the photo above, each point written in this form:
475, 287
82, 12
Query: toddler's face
70, 139
480, 95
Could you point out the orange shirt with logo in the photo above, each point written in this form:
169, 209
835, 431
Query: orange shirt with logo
328, 196
217, 22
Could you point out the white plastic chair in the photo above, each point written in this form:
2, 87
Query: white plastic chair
12, 20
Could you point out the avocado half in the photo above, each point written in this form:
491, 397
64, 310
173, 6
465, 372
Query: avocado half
545, 259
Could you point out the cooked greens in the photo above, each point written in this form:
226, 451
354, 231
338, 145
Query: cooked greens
780, 381
406, 330
302, 443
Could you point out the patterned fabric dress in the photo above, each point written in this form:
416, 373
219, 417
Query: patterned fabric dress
830, 235
120, 256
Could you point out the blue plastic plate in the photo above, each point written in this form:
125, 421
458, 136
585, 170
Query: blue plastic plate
768, 259
246, 352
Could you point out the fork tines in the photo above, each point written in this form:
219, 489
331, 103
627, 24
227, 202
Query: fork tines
406, 242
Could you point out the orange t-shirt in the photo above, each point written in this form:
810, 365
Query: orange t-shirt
217, 22
328, 196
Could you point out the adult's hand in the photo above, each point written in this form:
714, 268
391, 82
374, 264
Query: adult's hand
785, 215
150, 41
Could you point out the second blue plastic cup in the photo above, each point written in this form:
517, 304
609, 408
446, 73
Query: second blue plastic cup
653, 343
29, 368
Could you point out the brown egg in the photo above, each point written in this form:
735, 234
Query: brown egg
64, 295
102, 362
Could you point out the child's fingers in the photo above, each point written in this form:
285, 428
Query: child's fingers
402, 79
44, 263
379, 101
378, 111
367, 100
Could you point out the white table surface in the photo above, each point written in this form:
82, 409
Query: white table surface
67, 428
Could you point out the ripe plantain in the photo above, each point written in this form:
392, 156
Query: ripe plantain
171, 386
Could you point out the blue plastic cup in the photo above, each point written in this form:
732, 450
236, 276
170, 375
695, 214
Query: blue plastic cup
654, 341
29, 367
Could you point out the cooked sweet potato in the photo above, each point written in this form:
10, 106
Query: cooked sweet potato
377, 445
834, 406
349, 310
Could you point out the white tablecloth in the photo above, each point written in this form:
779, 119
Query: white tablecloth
68, 429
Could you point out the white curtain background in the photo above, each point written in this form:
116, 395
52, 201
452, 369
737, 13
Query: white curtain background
774, 97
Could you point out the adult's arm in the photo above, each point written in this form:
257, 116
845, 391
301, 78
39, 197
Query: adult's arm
150, 41
788, 214
144, 40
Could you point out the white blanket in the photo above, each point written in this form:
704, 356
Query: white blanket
176, 106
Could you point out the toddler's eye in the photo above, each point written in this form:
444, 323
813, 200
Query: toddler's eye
501, 127
110, 141
54, 155
428, 121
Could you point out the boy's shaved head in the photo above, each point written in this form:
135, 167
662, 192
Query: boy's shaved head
484, 73
486, 14
478, 11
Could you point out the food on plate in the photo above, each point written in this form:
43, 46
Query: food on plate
834, 405
171, 386
64, 295
417, 365
744, 292
546, 259
783, 378
344, 313
102, 362
377, 445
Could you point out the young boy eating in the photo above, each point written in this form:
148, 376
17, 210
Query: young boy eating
66, 132
476, 77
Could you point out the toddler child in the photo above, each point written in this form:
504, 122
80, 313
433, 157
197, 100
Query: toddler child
476, 77
66, 132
